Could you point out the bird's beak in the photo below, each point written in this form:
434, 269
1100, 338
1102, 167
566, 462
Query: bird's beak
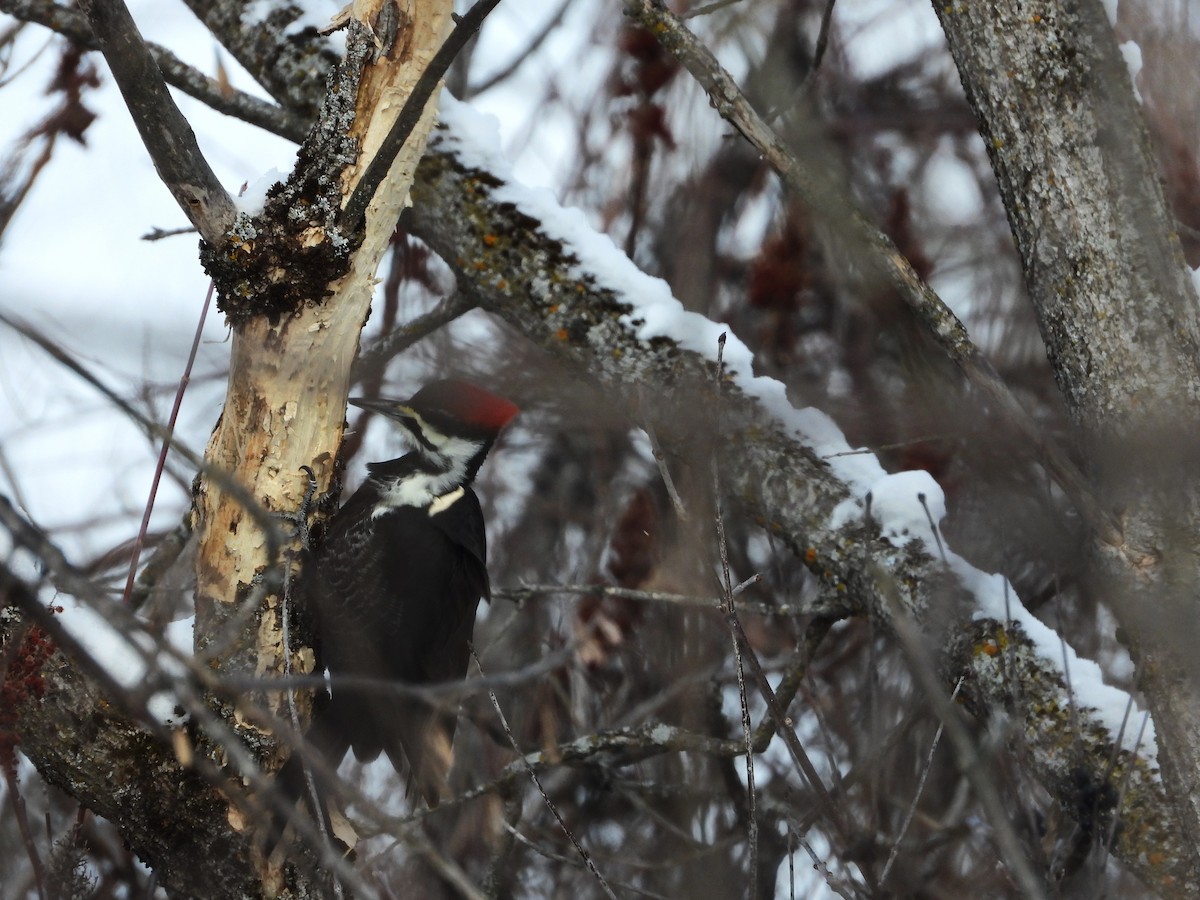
393, 409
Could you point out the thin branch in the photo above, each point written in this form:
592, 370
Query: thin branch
583, 854
526, 591
74, 26
822, 41
377, 170
184, 380
158, 234
21, 814
916, 800
970, 761
373, 360
731, 615
447, 868
819, 189
165, 132
664, 470
710, 8
536, 41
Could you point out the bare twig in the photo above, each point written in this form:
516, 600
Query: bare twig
660, 460
21, 814
158, 234
372, 360
377, 170
534, 42
731, 614
937, 535
72, 25
967, 754
184, 381
165, 132
583, 854
525, 591
822, 42
709, 8
1116, 820
449, 870
912, 808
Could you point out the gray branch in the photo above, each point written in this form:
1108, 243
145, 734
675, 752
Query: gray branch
166, 133
1118, 314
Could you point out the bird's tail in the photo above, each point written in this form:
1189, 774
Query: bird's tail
298, 780
420, 744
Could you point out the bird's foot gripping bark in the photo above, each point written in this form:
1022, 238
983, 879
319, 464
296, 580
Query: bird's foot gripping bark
310, 505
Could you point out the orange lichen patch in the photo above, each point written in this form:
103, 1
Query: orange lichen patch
490, 240
810, 555
480, 265
561, 334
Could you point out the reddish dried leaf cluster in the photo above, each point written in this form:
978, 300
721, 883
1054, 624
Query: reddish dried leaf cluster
604, 623
73, 78
23, 680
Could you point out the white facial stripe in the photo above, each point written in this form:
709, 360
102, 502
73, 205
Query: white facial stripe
427, 488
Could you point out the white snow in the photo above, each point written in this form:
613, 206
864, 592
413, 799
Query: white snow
1132, 54
131, 657
252, 200
902, 504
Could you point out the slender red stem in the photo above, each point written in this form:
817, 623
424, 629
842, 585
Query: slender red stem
184, 381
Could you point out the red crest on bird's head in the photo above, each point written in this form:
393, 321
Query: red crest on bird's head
466, 402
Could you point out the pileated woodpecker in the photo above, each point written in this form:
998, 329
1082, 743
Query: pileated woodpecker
395, 585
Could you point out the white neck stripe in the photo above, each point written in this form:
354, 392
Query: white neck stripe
444, 502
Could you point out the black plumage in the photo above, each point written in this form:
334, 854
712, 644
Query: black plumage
394, 586
369, 594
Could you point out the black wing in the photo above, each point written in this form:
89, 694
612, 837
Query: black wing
395, 598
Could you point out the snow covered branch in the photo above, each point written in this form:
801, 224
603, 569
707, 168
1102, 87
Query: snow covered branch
863, 532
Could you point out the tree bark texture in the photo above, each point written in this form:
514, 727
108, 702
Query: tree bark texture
1118, 314
295, 338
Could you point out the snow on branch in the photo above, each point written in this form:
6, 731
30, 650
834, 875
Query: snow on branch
870, 537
